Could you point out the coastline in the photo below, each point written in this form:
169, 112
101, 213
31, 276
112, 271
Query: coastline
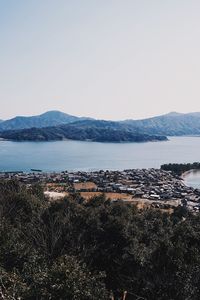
189, 171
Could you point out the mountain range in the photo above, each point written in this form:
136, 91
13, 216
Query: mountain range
50, 118
56, 125
172, 124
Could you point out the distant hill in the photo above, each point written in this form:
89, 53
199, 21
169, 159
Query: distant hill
55, 125
84, 130
172, 124
50, 118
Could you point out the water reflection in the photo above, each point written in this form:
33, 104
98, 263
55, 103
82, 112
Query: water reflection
192, 178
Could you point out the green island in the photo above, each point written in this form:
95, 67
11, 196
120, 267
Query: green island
96, 131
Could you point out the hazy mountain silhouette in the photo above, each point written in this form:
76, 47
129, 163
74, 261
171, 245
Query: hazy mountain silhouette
50, 118
170, 124
55, 125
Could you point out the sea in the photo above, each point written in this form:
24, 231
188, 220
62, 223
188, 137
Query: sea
192, 178
90, 156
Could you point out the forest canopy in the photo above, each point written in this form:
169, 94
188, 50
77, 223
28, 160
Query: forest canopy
94, 250
179, 169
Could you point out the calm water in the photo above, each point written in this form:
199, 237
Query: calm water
192, 178
74, 155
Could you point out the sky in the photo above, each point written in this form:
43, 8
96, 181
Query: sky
108, 59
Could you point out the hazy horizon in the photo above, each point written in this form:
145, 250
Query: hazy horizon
171, 112
111, 60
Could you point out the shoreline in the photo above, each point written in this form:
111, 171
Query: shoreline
189, 171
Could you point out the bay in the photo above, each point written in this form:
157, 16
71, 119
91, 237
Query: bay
76, 155
192, 178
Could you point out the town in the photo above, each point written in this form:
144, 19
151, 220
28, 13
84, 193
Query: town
154, 188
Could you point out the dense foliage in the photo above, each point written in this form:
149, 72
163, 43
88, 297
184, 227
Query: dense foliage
88, 130
181, 168
80, 251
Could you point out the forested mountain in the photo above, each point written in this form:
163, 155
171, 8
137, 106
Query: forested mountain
170, 124
88, 130
55, 125
50, 118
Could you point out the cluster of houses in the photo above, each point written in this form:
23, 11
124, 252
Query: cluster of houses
155, 185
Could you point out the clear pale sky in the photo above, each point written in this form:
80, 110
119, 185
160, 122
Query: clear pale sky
109, 59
